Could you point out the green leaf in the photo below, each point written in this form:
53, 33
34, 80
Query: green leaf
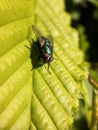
35, 99
15, 65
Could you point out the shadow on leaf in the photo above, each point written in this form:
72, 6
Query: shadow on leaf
35, 57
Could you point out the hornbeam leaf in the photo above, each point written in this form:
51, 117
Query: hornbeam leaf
31, 98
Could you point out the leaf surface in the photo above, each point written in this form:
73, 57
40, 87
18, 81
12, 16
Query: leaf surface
35, 99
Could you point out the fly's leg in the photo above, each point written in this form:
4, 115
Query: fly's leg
48, 68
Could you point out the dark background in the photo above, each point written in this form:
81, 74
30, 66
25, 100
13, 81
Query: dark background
85, 14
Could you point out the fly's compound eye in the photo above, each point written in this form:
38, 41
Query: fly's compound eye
47, 58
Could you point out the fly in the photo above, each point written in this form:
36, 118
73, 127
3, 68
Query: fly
45, 45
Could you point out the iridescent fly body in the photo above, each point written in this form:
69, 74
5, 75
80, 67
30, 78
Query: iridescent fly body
45, 46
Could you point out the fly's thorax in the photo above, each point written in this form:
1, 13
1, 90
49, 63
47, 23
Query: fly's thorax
47, 48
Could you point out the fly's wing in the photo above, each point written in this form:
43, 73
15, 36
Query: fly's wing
36, 31
38, 36
50, 38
